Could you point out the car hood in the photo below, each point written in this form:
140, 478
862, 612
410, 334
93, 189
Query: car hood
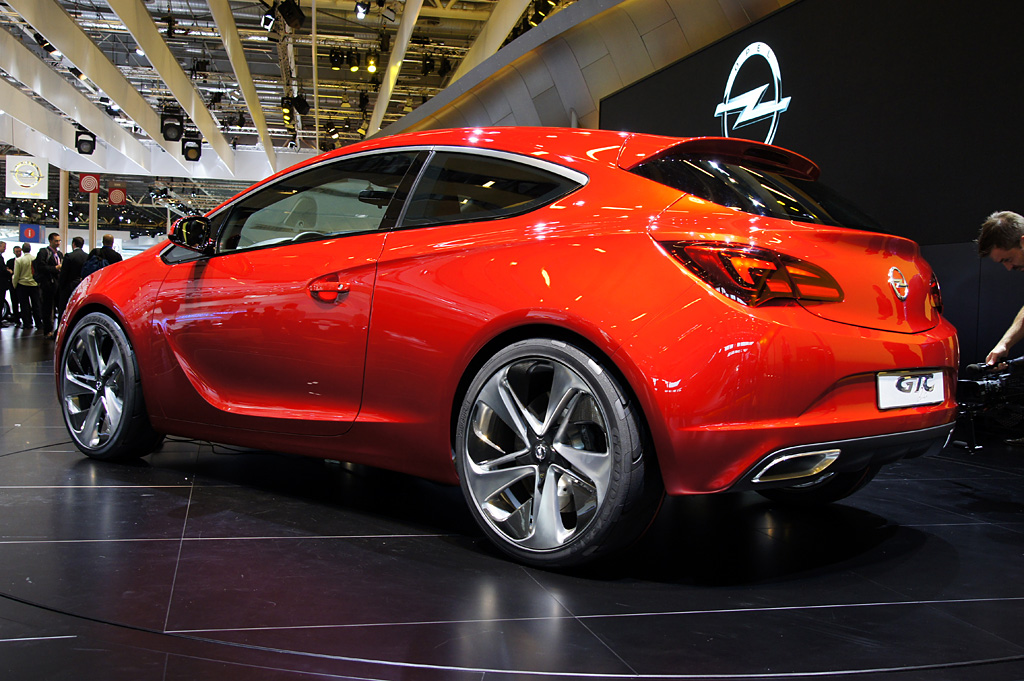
887, 285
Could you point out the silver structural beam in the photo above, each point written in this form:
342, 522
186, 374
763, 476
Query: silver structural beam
236, 54
139, 22
409, 18
28, 125
503, 18
346, 7
24, 66
52, 22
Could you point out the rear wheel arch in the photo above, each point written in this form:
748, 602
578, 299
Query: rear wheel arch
525, 332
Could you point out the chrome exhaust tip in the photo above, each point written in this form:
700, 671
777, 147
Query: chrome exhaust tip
796, 466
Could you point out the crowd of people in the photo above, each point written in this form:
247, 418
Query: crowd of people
40, 283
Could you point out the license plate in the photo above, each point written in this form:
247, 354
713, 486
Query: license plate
898, 389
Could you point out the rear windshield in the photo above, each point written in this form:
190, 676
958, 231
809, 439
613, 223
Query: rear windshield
753, 190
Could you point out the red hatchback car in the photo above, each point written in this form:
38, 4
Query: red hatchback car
568, 323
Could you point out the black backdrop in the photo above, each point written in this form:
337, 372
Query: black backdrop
911, 107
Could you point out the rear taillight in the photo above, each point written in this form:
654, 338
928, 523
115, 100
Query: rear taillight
935, 294
754, 276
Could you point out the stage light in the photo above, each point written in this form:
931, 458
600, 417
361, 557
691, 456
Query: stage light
269, 18
191, 147
301, 105
445, 68
172, 125
371, 63
46, 45
353, 61
361, 9
337, 60
292, 14
85, 142
428, 65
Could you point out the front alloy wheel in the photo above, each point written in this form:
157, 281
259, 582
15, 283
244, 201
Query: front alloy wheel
101, 397
550, 455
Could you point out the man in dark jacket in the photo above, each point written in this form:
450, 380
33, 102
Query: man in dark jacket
14, 296
70, 273
47, 272
109, 254
5, 281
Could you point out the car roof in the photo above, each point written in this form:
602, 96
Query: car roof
574, 147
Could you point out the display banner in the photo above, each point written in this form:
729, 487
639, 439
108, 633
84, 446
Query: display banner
33, 234
88, 183
117, 195
27, 177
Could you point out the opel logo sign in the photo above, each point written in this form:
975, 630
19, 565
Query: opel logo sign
753, 106
898, 283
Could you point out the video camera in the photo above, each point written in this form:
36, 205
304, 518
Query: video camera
997, 392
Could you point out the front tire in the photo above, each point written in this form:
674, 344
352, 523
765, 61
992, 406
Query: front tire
550, 455
101, 393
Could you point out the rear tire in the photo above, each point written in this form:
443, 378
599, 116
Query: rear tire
101, 393
551, 457
825, 491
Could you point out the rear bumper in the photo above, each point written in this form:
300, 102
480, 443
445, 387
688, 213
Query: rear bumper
726, 389
803, 463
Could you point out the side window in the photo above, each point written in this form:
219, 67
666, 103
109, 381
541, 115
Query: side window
343, 197
463, 187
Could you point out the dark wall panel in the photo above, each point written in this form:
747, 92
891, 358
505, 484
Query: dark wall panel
910, 107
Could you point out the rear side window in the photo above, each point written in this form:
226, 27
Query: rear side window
756, 191
457, 187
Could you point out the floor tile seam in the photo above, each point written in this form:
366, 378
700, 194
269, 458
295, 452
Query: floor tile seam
580, 622
972, 625
177, 559
32, 639
986, 467
372, 625
498, 672
808, 607
142, 486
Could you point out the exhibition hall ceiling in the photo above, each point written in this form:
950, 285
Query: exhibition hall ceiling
260, 82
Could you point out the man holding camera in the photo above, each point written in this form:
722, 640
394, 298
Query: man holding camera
1002, 239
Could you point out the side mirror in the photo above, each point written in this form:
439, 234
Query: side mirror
194, 233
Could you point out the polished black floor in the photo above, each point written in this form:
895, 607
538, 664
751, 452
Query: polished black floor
205, 562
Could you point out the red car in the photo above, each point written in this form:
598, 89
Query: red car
568, 323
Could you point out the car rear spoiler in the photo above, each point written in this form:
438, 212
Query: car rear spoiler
637, 149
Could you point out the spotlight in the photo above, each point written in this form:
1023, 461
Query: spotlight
171, 23
85, 142
361, 9
364, 102
336, 59
445, 68
270, 18
371, 63
46, 45
428, 65
172, 125
77, 73
353, 61
191, 147
240, 122
385, 42
362, 128
292, 14
301, 105
216, 98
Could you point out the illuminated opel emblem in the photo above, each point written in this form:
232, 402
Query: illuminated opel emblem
752, 105
898, 283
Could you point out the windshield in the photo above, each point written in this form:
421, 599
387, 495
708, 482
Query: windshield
752, 190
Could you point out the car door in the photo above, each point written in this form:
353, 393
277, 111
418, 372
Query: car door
269, 333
